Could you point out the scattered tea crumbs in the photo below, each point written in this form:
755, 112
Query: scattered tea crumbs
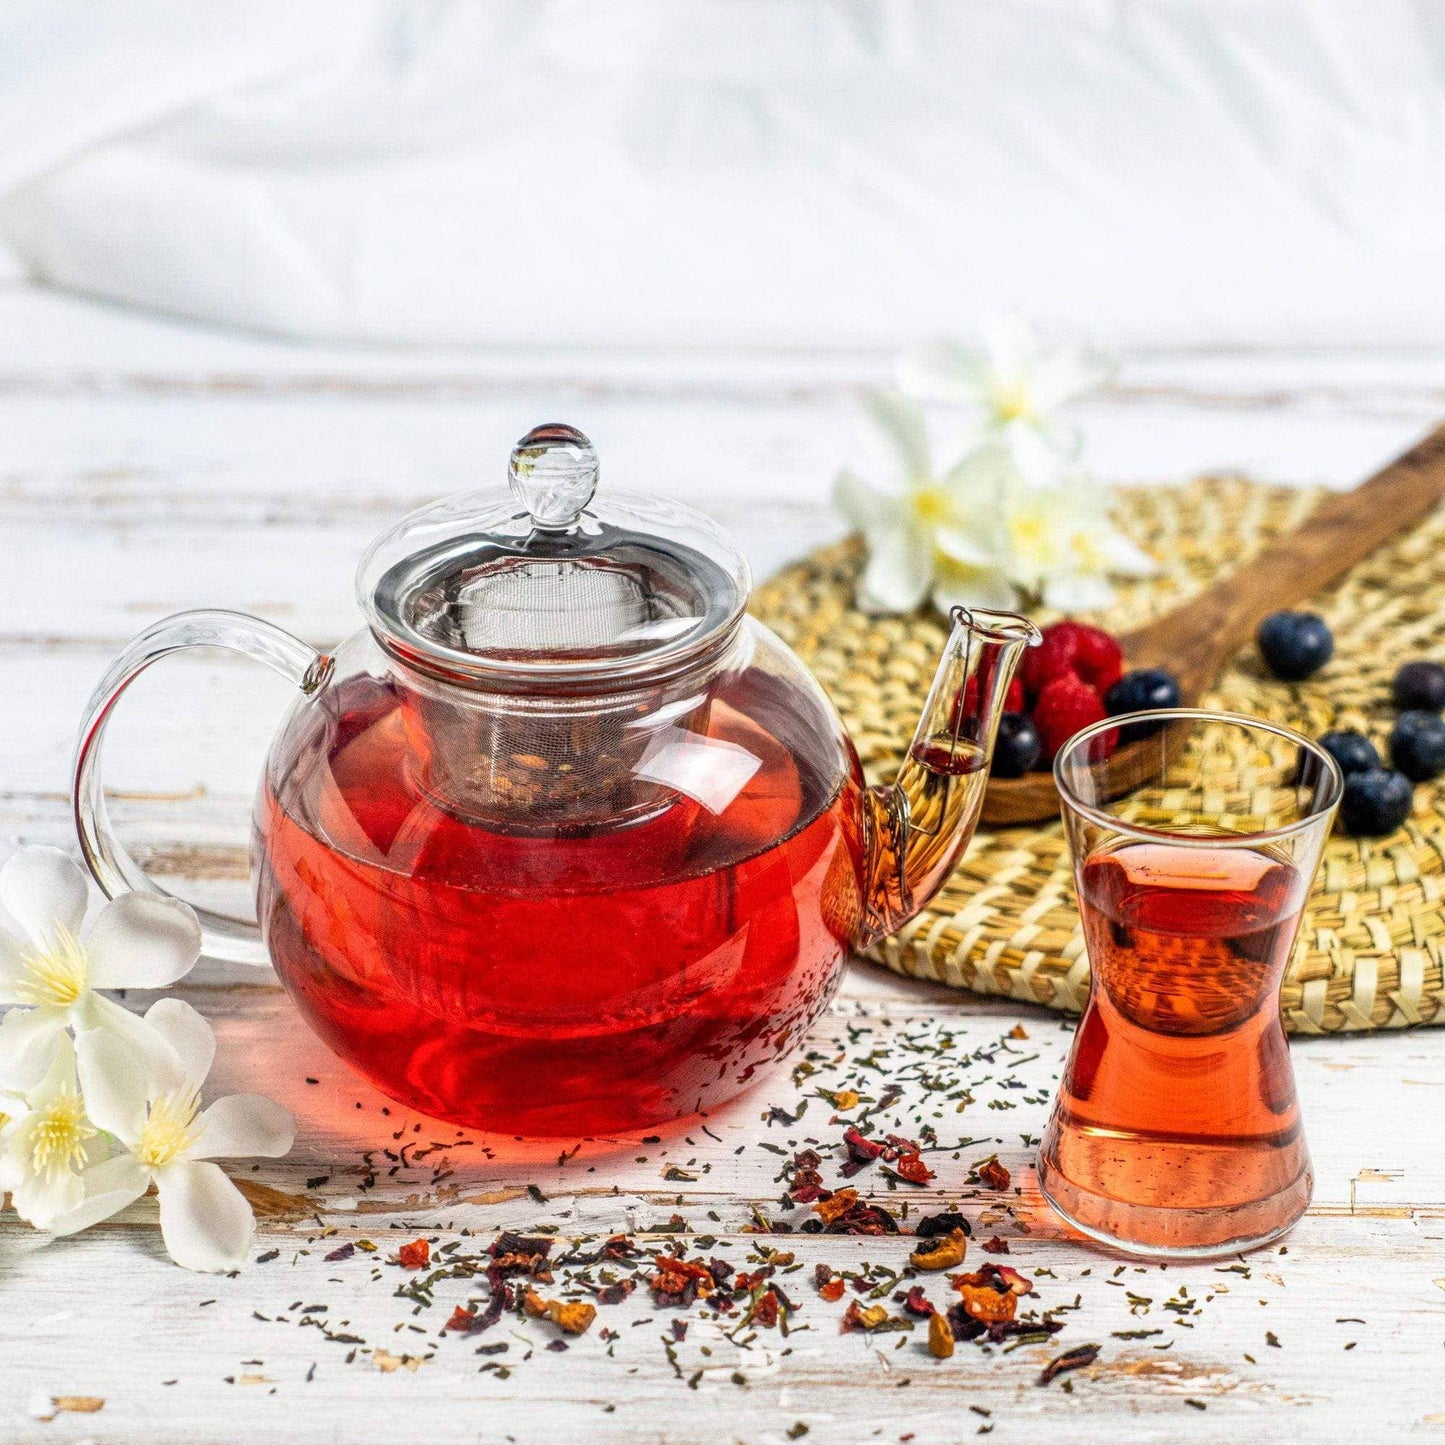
1074, 1359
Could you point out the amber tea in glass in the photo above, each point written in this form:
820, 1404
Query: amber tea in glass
1176, 1130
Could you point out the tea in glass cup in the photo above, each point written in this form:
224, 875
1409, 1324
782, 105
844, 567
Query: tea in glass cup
1176, 1130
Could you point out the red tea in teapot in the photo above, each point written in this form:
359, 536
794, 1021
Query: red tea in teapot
546, 984
564, 841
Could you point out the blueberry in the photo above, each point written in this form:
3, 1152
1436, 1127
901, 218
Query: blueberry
1354, 752
1417, 745
1142, 690
1376, 802
1294, 644
1420, 685
1017, 748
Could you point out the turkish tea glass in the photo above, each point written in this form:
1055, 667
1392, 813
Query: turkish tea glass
1176, 1131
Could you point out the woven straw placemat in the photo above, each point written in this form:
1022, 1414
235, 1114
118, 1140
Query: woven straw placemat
1371, 951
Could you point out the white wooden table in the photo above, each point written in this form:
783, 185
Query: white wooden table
147, 467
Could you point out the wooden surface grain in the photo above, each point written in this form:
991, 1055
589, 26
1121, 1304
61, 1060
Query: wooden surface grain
147, 466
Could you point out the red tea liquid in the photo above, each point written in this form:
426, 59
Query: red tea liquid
1176, 1128
601, 981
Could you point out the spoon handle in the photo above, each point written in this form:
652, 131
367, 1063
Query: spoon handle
1196, 639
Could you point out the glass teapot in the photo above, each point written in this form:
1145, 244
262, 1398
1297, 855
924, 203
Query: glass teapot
563, 841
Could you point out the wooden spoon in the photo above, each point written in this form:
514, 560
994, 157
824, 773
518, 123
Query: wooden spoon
1196, 640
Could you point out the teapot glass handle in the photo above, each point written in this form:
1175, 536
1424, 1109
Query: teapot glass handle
232, 940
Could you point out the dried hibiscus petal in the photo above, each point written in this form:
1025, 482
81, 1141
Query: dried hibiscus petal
946, 1253
916, 1304
935, 1224
912, 1168
861, 1151
415, 1255
615, 1293
462, 1320
508, 1243
996, 1245
765, 1310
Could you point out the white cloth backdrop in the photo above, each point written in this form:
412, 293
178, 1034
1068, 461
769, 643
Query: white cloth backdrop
714, 172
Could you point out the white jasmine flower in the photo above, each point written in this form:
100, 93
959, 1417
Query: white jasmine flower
167, 1139
914, 523
47, 1141
138, 940
1053, 542
1015, 385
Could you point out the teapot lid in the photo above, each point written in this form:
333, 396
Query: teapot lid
548, 582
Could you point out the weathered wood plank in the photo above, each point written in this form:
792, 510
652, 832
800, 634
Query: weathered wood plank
148, 466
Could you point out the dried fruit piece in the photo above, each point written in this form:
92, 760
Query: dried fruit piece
859, 1318
940, 1336
1002, 1277
836, 1206
992, 1174
944, 1253
988, 1304
572, 1317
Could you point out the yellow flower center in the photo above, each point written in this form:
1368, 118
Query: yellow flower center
1011, 402
58, 1133
931, 506
170, 1128
1031, 536
56, 976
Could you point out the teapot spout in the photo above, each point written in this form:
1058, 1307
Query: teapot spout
918, 826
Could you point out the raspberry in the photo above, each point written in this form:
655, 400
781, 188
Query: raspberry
1073, 647
1098, 659
1065, 705
968, 703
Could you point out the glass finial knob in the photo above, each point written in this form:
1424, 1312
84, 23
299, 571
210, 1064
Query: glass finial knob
553, 474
